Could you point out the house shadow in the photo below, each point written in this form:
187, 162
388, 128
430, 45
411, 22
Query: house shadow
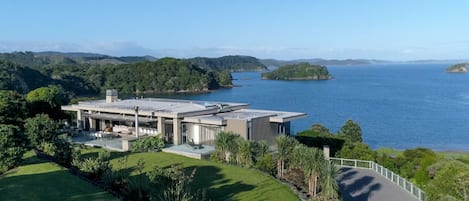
217, 187
346, 174
41, 186
355, 186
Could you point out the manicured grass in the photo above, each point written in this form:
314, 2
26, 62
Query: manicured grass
36, 179
222, 182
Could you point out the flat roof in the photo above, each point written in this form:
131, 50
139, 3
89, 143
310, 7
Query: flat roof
158, 107
246, 114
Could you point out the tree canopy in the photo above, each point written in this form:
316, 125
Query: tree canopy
351, 131
12, 107
300, 71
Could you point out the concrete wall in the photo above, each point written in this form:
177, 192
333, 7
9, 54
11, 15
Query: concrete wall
237, 126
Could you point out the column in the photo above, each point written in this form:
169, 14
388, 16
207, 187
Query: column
160, 126
136, 122
92, 124
326, 152
176, 131
80, 119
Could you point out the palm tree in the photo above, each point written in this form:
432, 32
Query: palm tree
262, 148
285, 146
226, 145
311, 162
329, 186
244, 153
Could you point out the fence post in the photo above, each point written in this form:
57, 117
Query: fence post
355, 163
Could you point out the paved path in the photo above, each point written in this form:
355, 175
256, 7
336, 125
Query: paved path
361, 184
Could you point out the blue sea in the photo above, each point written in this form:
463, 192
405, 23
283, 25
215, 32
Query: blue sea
399, 106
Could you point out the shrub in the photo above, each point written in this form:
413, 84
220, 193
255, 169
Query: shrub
172, 184
138, 187
11, 148
266, 164
94, 167
148, 144
60, 150
117, 179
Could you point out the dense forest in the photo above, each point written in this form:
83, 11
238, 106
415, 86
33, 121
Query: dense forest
231, 63
82, 74
301, 71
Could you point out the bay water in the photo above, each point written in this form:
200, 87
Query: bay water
397, 105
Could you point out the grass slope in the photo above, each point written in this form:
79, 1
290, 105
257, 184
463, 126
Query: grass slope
222, 182
36, 179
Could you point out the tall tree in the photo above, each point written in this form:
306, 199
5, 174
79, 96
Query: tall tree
46, 100
320, 129
351, 131
244, 155
41, 129
285, 146
311, 162
225, 144
12, 107
329, 187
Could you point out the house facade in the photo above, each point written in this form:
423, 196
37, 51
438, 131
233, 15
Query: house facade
180, 121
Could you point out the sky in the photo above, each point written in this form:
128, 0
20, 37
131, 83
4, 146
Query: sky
330, 29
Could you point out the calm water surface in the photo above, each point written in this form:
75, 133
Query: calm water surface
400, 106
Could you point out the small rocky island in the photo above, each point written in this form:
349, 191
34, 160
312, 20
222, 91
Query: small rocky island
457, 68
300, 71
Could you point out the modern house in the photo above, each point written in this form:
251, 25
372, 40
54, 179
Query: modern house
180, 121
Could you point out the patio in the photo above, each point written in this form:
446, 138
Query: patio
94, 139
115, 142
197, 152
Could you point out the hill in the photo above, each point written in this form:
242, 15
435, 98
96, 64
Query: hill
230, 63
276, 63
301, 71
458, 68
80, 75
21, 79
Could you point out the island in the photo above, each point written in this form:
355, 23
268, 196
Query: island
457, 68
300, 71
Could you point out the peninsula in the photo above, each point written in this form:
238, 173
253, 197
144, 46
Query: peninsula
300, 71
457, 68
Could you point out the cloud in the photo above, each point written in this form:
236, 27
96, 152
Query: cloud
129, 48
119, 48
260, 52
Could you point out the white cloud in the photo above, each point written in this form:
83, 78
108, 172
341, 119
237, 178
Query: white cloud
128, 48
120, 48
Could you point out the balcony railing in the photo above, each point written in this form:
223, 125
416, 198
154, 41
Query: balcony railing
388, 174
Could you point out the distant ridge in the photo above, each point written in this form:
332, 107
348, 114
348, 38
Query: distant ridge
318, 61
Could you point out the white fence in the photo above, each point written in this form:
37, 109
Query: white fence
388, 174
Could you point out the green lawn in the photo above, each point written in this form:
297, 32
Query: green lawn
222, 182
36, 179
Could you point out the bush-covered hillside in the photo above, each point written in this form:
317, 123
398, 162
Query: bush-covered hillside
25, 71
301, 71
230, 63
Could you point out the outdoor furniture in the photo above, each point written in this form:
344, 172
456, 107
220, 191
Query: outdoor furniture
193, 145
